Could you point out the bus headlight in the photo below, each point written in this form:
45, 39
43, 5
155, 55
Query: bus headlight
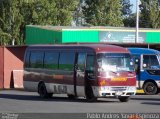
105, 88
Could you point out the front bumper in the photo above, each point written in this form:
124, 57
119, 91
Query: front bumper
106, 91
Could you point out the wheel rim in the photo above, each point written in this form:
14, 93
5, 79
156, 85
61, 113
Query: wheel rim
151, 88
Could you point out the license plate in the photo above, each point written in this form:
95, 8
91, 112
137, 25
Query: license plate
119, 79
118, 93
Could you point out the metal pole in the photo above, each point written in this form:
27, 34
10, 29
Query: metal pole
137, 21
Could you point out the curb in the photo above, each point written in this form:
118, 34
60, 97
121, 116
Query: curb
140, 91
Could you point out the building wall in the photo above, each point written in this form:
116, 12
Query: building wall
40, 35
80, 36
1, 68
59, 34
13, 60
153, 37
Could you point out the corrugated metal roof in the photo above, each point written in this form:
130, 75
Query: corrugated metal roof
60, 28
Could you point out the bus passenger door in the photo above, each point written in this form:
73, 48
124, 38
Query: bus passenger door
80, 74
137, 61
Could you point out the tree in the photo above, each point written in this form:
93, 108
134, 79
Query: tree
130, 21
103, 13
10, 20
3, 36
150, 14
126, 7
129, 18
78, 14
65, 10
40, 12
37, 12
15, 14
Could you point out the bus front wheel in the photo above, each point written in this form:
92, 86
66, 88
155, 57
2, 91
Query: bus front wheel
150, 88
89, 94
123, 99
43, 91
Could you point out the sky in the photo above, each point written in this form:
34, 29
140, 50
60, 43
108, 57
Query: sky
134, 5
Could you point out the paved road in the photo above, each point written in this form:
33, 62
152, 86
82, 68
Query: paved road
29, 102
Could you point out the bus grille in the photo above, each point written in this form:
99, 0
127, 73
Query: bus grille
118, 88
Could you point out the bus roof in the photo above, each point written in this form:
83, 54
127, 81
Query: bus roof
95, 47
140, 51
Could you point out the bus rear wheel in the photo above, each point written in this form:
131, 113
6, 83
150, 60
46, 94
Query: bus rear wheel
124, 99
150, 88
43, 91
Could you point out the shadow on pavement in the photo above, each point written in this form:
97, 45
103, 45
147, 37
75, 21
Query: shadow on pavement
54, 99
149, 99
151, 103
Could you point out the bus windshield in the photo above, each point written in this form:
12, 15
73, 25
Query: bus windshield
115, 62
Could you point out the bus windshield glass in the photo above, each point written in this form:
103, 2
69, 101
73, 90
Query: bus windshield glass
115, 62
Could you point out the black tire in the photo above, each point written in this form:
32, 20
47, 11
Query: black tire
150, 88
89, 94
49, 95
124, 99
70, 96
43, 91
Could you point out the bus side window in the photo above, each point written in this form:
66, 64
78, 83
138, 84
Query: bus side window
146, 63
66, 61
154, 60
36, 59
150, 61
81, 62
90, 69
51, 60
26, 62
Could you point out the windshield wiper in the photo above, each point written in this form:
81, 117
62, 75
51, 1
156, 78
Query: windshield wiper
113, 72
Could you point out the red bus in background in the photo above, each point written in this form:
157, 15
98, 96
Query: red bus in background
83, 70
